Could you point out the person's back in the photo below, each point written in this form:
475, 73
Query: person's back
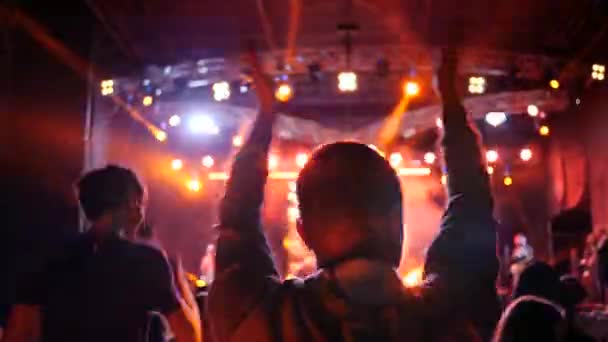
350, 205
102, 285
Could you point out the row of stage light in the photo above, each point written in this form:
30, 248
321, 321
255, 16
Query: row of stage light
347, 83
395, 159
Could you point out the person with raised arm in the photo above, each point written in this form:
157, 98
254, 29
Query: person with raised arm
350, 204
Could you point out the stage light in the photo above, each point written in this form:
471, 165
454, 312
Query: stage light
444, 179
439, 123
177, 164
237, 141
273, 161
283, 93
490, 169
554, 84
413, 278
147, 100
160, 136
395, 159
525, 154
174, 120
347, 81
202, 124
533, 110
293, 213
194, 185
221, 91
107, 87
301, 159
477, 85
411, 88
491, 156
544, 130
429, 157
507, 181
496, 118
598, 71
208, 162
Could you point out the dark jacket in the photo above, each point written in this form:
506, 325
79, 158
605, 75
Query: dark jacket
248, 302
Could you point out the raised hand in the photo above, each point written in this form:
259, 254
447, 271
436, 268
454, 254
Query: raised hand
262, 83
447, 73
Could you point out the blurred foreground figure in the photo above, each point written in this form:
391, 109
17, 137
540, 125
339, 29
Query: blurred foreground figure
103, 285
351, 217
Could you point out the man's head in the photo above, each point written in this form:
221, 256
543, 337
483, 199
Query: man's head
112, 198
350, 205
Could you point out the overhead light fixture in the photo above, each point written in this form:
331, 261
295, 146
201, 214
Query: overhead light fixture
347, 81
429, 157
533, 110
174, 120
496, 118
395, 159
283, 93
221, 91
477, 85
491, 156
411, 88
525, 154
598, 71
107, 87
208, 161
202, 124
147, 100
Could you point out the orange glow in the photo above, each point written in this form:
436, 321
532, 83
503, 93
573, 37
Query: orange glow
237, 141
395, 159
411, 88
194, 185
490, 170
554, 84
273, 161
301, 159
444, 179
375, 148
508, 181
200, 283
292, 175
491, 156
160, 135
147, 100
525, 154
413, 278
283, 93
544, 130
177, 164
208, 161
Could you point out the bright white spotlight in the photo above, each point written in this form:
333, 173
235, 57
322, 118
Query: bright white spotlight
411, 88
147, 100
174, 120
491, 156
347, 81
194, 185
237, 141
429, 157
202, 124
395, 159
301, 159
477, 85
208, 161
273, 161
533, 110
439, 123
490, 169
525, 154
107, 87
496, 118
221, 91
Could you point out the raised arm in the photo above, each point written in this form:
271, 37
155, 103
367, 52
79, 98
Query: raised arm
462, 259
244, 266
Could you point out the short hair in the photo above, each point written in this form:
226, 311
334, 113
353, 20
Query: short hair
348, 180
105, 189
